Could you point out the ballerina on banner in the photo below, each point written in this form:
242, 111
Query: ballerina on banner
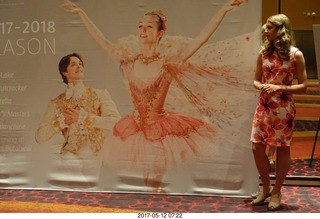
152, 137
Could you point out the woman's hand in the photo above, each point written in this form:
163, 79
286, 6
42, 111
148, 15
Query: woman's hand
233, 4
69, 6
238, 2
270, 88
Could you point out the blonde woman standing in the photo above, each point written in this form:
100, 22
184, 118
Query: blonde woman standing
278, 63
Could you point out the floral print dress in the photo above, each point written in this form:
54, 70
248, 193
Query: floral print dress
274, 116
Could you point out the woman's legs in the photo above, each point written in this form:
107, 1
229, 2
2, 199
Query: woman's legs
283, 165
155, 167
262, 164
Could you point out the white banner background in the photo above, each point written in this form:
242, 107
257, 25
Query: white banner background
35, 34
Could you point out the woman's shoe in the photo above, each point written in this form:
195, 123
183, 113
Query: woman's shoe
275, 202
261, 198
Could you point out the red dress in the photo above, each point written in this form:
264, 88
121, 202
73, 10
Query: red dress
274, 116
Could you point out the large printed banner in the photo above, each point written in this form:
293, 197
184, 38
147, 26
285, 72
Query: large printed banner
128, 95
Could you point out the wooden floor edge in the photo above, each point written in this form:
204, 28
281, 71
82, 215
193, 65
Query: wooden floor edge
307, 105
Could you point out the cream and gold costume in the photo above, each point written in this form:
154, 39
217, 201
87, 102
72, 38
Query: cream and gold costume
77, 161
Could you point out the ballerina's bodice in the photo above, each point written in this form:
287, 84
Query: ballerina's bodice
148, 98
148, 94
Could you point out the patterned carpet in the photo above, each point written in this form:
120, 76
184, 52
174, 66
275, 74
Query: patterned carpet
302, 168
299, 199
295, 199
35, 207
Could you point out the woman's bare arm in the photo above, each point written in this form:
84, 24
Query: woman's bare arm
209, 29
301, 74
258, 74
94, 31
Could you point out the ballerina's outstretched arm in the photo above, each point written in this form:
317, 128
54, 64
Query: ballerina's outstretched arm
186, 53
208, 30
97, 35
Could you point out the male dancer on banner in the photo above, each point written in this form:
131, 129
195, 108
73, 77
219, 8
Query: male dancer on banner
81, 114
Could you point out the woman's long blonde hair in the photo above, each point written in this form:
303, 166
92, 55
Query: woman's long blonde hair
284, 40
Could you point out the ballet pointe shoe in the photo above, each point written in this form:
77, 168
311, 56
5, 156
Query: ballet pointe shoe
261, 198
275, 202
